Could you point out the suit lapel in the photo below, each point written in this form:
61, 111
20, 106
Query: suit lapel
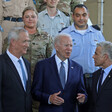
109, 76
15, 72
69, 74
96, 80
54, 68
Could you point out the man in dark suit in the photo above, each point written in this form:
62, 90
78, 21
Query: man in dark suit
102, 78
58, 82
15, 83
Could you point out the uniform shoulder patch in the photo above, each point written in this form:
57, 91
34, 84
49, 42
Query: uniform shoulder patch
62, 29
96, 27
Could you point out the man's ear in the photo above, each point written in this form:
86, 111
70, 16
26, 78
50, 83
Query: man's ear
106, 56
56, 47
12, 41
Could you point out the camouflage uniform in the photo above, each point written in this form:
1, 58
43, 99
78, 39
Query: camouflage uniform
40, 48
11, 14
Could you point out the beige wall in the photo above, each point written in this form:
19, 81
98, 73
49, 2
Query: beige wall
93, 9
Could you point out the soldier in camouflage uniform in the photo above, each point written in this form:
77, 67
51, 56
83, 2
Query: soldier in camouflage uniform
40, 42
40, 47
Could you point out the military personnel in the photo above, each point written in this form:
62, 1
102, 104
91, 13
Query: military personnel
65, 6
11, 14
40, 42
52, 20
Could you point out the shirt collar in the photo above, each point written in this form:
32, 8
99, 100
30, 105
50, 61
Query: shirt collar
89, 29
108, 69
58, 61
58, 12
12, 57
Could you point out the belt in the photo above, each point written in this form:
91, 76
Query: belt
13, 19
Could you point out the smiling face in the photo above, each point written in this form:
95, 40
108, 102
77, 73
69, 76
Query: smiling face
52, 3
64, 48
80, 17
30, 19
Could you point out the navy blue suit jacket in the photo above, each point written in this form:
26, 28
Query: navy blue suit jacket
102, 100
46, 82
13, 97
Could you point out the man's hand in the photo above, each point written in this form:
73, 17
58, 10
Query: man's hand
55, 99
80, 98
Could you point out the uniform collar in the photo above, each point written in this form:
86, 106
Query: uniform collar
89, 29
58, 12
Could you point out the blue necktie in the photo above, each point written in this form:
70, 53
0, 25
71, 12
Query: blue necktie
23, 72
62, 74
100, 80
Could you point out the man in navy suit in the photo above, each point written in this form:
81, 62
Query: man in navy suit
15, 81
56, 95
102, 96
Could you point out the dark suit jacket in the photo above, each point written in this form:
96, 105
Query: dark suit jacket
46, 82
102, 100
13, 98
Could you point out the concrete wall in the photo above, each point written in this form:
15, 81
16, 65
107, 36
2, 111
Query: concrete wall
107, 17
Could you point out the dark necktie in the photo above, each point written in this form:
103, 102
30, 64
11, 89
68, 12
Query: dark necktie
100, 80
23, 72
62, 74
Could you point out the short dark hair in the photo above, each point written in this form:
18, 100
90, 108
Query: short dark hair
80, 6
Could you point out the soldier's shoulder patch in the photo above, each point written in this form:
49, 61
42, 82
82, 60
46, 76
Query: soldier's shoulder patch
96, 27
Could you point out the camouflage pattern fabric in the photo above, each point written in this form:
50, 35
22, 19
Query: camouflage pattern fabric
40, 47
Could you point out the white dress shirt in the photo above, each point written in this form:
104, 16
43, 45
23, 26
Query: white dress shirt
105, 74
58, 62
18, 67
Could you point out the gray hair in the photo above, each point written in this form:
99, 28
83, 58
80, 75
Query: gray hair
57, 38
106, 48
14, 33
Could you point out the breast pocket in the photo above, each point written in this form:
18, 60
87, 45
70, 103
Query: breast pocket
93, 44
76, 47
60, 25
